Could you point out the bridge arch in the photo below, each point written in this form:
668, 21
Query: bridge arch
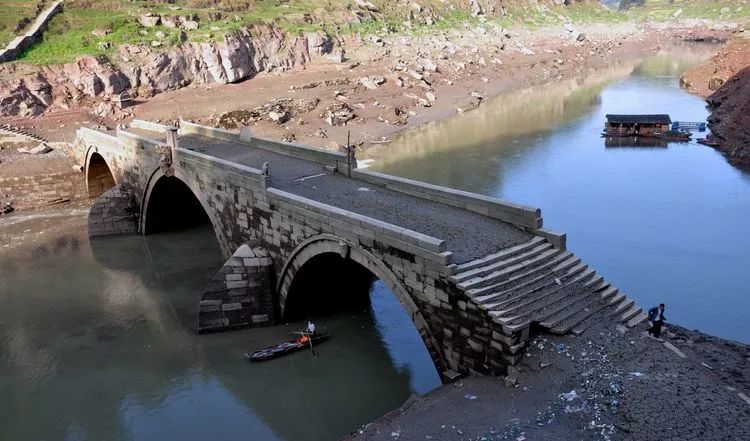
175, 202
99, 176
335, 258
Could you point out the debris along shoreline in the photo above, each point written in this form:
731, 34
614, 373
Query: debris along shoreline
607, 384
381, 90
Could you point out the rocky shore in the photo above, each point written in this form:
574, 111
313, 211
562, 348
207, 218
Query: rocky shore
725, 83
607, 384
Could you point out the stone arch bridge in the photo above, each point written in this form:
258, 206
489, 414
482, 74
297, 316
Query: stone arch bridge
304, 230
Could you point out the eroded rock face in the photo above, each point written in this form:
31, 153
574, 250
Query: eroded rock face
145, 72
17, 100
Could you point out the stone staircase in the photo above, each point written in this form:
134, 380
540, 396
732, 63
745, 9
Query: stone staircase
17, 131
536, 283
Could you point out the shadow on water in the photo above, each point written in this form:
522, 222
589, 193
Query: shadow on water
99, 343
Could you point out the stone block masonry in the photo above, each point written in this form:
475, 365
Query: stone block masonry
39, 191
113, 213
240, 294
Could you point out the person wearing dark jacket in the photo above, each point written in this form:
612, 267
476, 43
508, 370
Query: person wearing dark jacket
656, 316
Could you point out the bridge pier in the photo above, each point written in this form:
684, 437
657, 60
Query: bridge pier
114, 212
240, 294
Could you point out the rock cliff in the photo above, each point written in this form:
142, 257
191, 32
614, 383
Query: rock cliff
144, 71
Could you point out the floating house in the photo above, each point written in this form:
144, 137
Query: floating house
643, 125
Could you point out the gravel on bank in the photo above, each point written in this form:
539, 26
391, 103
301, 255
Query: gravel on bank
608, 384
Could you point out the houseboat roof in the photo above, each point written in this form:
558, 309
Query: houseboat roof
639, 119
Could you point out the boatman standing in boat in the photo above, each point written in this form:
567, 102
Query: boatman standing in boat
310, 328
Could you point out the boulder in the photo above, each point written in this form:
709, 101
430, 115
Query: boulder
367, 5
149, 20
38, 150
190, 25
368, 83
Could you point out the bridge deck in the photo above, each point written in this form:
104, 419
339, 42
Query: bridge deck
467, 234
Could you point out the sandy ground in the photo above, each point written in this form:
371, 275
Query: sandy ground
608, 384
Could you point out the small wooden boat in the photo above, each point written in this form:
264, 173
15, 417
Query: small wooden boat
707, 142
670, 135
288, 347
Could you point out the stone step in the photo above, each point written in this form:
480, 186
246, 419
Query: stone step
535, 295
508, 271
532, 310
630, 313
596, 283
562, 312
500, 264
508, 288
501, 255
579, 317
623, 305
638, 319
609, 292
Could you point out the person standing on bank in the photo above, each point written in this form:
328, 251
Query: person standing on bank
656, 316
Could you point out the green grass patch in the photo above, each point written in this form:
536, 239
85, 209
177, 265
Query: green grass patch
664, 10
13, 11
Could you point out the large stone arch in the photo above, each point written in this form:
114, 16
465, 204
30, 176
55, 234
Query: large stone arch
326, 243
196, 191
99, 175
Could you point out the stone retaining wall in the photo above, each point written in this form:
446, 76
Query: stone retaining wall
39, 191
23, 42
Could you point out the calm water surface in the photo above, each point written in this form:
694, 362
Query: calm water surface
662, 224
97, 343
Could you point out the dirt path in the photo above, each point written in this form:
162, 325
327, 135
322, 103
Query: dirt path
608, 384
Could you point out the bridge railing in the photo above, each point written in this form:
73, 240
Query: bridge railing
521, 215
325, 157
355, 227
148, 125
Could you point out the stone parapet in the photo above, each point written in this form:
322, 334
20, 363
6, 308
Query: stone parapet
521, 215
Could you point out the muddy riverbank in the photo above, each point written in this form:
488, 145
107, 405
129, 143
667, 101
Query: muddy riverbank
724, 81
607, 384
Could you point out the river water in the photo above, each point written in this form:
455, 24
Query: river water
663, 224
97, 337
97, 343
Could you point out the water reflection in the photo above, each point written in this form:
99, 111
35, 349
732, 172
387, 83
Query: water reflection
662, 224
98, 343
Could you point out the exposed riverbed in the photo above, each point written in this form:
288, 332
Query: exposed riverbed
664, 224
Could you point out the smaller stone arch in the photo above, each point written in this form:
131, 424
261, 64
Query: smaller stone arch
177, 174
99, 175
326, 244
